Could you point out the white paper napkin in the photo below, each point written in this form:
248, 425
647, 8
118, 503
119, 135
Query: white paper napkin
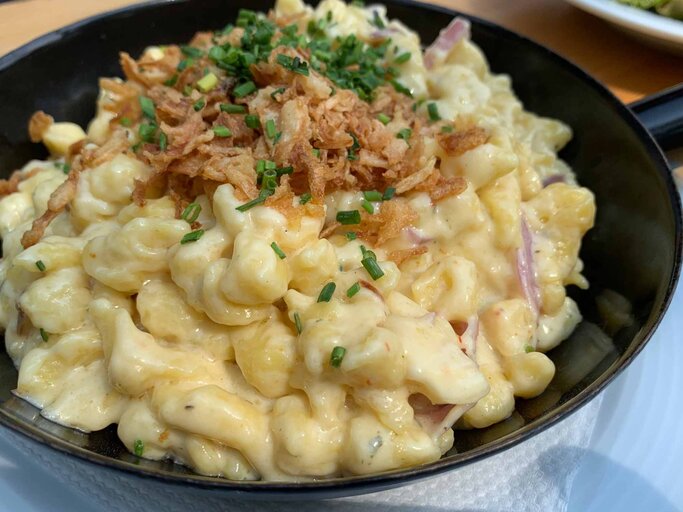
535, 475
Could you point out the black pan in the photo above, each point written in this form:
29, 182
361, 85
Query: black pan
634, 248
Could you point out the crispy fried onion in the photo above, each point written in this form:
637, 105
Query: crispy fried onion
330, 138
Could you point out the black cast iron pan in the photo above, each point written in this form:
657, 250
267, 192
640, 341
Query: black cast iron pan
634, 249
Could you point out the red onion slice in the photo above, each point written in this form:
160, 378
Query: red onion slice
436, 419
525, 269
456, 30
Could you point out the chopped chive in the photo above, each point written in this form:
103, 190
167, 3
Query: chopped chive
276, 139
135, 147
183, 64
271, 129
348, 217
447, 129
403, 58
372, 195
138, 447
351, 235
187, 90
171, 81
352, 152
207, 82
373, 268
244, 89
260, 166
306, 197
388, 193
528, 348
222, 131
147, 132
125, 121
433, 111
377, 20
284, 170
254, 202
233, 109
353, 290
191, 51
192, 236
337, 356
404, 133
270, 165
66, 168
44, 334
199, 104
399, 87
297, 323
147, 106
294, 64
278, 251
191, 212
163, 141
277, 91
316, 152
327, 292
252, 121
367, 206
384, 119
40, 265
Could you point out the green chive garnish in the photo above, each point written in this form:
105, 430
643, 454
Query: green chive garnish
353, 290
252, 121
351, 235
233, 109
388, 193
163, 141
384, 119
433, 111
327, 292
528, 348
399, 87
403, 58
171, 81
294, 64
183, 64
244, 89
306, 197
447, 129
297, 323
207, 82
348, 217
277, 91
222, 131
147, 132
271, 129
372, 195
40, 265
147, 106
278, 251
126, 121
337, 356
284, 170
191, 51
316, 152
191, 212
199, 104
192, 236
404, 133
44, 334
367, 206
138, 447
373, 268
254, 202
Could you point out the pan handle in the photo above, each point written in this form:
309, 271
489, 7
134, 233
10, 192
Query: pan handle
662, 115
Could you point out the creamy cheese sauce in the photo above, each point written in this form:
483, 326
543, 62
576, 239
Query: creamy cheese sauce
194, 350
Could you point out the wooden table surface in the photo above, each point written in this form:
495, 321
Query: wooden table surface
629, 68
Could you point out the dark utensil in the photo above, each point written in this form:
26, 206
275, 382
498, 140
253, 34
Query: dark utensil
634, 248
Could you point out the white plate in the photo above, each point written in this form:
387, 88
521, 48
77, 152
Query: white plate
652, 28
